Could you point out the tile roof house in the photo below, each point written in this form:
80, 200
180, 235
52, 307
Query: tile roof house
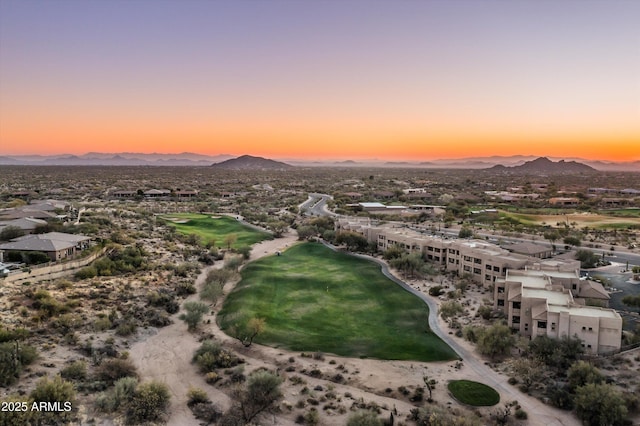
56, 245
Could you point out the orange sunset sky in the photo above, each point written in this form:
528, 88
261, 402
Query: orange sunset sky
356, 79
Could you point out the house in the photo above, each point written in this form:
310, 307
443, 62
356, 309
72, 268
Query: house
157, 193
57, 245
564, 201
186, 194
27, 224
538, 303
124, 194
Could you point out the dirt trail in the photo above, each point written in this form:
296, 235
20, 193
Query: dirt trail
166, 356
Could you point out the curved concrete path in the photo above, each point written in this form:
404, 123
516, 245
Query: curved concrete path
539, 413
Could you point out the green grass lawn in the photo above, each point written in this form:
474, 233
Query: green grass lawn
473, 393
210, 229
315, 299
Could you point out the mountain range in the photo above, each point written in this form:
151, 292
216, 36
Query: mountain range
193, 159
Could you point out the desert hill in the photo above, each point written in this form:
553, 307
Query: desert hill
543, 165
248, 162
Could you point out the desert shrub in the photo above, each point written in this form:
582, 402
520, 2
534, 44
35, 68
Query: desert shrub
117, 397
149, 403
196, 396
206, 411
210, 355
126, 328
113, 369
435, 291
185, 289
364, 418
7, 335
521, 414
77, 370
485, 312
157, 318
86, 273
16, 417
14, 357
102, 324
193, 314
311, 417
55, 390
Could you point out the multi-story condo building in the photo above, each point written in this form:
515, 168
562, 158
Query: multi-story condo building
552, 303
538, 296
483, 261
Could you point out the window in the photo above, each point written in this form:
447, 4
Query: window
590, 328
487, 277
488, 267
542, 324
500, 289
467, 268
516, 319
553, 326
526, 327
476, 270
478, 261
584, 328
574, 287
516, 305
496, 268
500, 302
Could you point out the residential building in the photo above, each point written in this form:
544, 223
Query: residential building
552, 303
56, 245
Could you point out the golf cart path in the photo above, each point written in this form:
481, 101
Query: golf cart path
539, 413
166, 356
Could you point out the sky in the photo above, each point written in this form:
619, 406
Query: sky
396, 80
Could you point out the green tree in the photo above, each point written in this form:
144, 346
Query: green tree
552, 236
450, 309
465, 232
230, 240
600, 404
246, 332
305, 232
10, 232
632, 300
353, 241
495, 341
582, 373
193, 316
261, 394
587, 258
572, 241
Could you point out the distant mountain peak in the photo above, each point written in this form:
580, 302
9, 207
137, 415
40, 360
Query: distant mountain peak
544, 165
249, 162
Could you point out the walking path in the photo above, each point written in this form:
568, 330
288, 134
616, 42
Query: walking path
539, 413
166, 356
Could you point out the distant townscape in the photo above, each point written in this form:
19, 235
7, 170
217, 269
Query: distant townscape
248, 290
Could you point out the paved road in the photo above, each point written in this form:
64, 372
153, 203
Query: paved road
316, 205
539, 413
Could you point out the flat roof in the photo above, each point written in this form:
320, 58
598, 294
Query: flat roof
552, 297
586, 311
